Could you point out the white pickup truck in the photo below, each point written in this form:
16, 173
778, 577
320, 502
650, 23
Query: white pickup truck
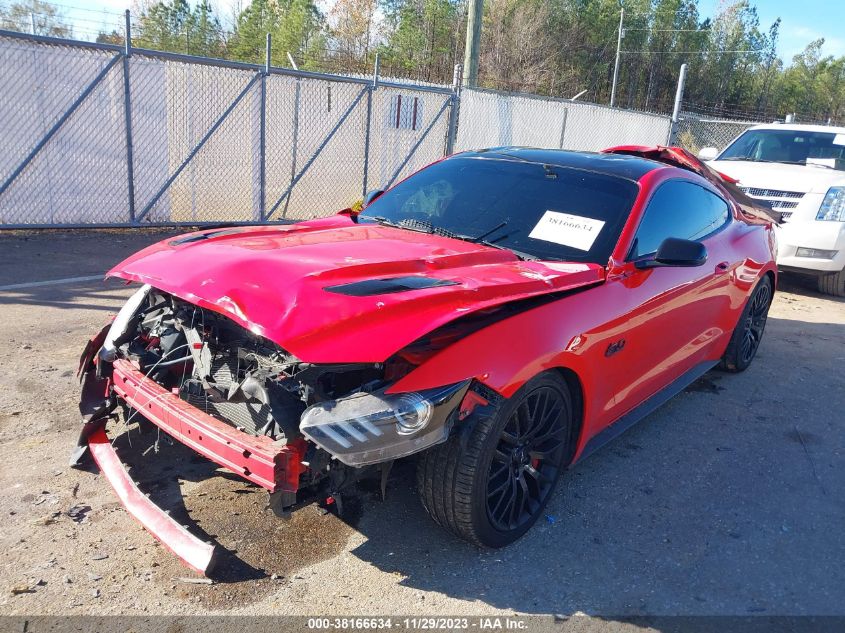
800, 171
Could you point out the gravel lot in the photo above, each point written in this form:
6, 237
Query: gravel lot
728, 500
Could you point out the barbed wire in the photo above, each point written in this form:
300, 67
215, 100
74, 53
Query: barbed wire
741, 113
331, 56
626, 29
701, 51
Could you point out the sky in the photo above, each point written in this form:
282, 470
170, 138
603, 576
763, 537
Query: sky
802, 20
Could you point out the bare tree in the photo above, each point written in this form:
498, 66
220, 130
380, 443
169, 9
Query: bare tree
36, 17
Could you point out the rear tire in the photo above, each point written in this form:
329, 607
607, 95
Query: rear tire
748, 332
490, 487
833, 284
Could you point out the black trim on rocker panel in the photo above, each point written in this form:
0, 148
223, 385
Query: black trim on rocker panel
645, 408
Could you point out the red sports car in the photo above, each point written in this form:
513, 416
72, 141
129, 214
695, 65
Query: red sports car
498, 316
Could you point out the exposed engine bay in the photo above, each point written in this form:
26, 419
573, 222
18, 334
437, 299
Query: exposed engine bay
228, 372
339, 416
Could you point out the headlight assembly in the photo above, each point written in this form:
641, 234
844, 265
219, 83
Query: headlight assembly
833, 205
367, 428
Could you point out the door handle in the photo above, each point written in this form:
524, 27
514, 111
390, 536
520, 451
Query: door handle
722, 267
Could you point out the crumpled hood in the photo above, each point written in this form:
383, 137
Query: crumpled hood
272, 280
781, 177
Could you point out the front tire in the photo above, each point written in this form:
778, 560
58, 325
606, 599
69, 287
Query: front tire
833, 284
491, 487
748, 332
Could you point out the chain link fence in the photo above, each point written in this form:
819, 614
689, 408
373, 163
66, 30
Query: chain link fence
490, 118
96, 134
695, 132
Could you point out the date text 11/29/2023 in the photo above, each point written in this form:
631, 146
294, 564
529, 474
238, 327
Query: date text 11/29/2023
422, 623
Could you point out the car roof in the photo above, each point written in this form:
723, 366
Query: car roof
800, 127
621, 166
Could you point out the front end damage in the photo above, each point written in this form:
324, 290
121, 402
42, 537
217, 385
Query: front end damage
301, 431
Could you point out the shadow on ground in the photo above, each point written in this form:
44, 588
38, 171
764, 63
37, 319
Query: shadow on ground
715, 504
805, 285
87, 295
38, 256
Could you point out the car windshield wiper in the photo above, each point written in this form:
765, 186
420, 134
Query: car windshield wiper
792, 162
480, 238
475, 240
762, 160
427, 227
522, 255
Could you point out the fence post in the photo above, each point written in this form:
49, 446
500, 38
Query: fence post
563, 127
376, 69
370, 92
127, 116
619, 37
262, 140
296, 99
452, 131
676, 111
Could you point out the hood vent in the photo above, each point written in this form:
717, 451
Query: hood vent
388, 285
199, 237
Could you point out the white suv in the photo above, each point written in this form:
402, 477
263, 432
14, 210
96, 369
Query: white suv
800, 171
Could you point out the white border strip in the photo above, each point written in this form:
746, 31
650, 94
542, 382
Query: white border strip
52, 282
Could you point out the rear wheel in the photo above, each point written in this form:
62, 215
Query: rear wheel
833, 284
490, 488
749, 331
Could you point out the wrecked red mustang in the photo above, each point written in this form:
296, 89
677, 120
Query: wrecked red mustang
497, 316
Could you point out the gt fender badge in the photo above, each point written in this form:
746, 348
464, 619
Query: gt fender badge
614, 347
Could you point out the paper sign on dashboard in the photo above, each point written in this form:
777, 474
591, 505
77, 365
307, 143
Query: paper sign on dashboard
567, 230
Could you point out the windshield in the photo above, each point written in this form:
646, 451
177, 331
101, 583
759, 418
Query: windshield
536, 210
789, 146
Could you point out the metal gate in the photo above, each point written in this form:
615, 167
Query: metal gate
104, 135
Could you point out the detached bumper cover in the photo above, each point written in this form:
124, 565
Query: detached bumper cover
272, 465
195, 553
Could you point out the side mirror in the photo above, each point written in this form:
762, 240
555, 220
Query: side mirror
708, 153
372, 195
674, 251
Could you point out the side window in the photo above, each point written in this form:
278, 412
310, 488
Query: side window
678, 209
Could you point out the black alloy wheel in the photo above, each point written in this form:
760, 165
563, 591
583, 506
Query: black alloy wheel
746, 337
527, 458
489, 484
755, 322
